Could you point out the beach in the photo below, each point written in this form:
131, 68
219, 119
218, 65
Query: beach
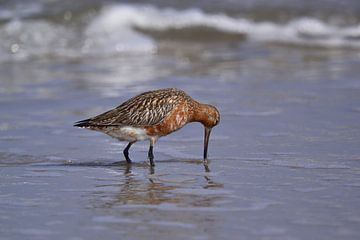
284, 162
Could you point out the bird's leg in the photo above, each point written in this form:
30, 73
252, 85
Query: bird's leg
126, 152
150, 153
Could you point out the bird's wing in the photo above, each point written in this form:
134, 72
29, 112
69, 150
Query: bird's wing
146, 109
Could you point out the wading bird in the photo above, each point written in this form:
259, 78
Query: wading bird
152, 115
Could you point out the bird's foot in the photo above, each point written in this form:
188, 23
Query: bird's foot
128, 160
151, 161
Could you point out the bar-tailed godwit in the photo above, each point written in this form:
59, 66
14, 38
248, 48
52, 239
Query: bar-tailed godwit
152, 115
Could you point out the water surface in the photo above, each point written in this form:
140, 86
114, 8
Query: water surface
284, 161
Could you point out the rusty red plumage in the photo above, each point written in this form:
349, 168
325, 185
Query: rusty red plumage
151, 115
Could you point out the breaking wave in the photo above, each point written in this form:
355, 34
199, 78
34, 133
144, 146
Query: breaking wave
306, 31
118, 29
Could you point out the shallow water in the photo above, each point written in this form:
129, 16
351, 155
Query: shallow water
284, 161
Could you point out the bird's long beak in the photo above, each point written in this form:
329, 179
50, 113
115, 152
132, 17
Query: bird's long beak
206, 141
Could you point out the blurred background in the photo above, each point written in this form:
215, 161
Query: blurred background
284, 160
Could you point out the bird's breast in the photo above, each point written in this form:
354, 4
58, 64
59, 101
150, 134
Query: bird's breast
174, 121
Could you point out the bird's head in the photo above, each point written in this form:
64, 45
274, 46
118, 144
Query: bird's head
209, 116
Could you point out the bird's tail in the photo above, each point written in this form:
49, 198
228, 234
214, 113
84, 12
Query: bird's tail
83, 123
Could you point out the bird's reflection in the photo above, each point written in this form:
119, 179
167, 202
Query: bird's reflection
206, 167
140, 185
128, 167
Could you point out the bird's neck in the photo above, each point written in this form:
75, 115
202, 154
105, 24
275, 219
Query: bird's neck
200, 114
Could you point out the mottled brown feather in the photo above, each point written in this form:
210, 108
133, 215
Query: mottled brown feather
146, 109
